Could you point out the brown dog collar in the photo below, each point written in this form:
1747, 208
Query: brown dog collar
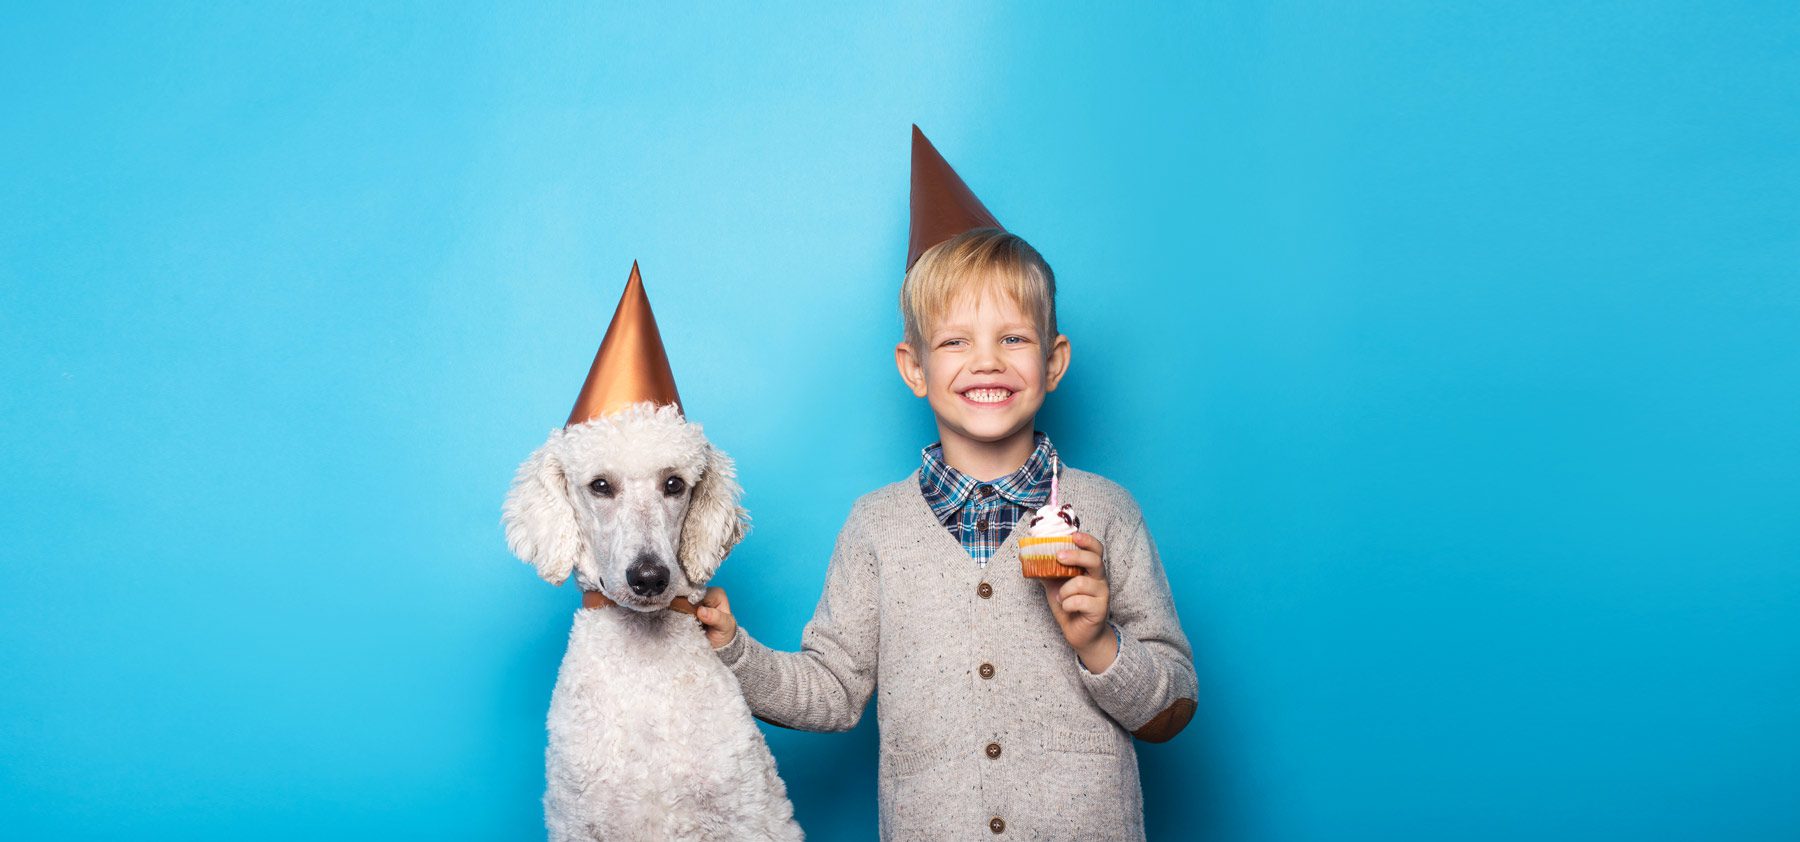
596, 599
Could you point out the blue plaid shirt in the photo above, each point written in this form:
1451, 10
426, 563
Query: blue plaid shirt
981, 514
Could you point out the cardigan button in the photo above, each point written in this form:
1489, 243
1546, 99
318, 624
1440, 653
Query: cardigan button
997, 824
987, 670
985, 590
993, 751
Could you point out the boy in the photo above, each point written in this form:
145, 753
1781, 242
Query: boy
1005, 707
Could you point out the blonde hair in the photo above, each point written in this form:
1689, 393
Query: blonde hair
970, 263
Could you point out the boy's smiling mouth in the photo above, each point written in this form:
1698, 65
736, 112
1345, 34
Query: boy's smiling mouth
987, 395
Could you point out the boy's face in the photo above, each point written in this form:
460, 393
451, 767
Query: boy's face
984, 369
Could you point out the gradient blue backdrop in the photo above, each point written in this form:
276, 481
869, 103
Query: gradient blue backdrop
1453, 353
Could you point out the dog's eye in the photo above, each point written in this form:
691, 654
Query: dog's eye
601, 487
674, 486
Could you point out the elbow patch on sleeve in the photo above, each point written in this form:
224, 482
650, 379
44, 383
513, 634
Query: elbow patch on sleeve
1164, 726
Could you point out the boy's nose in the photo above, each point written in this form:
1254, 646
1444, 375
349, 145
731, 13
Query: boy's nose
986, 359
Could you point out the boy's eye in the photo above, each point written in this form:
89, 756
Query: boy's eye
1015, 340
950, 342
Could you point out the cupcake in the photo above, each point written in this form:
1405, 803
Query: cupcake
1050, 530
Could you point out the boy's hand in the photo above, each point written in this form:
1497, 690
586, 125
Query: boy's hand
1080, 604
714, 614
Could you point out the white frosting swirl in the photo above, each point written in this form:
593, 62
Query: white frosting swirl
1053, 521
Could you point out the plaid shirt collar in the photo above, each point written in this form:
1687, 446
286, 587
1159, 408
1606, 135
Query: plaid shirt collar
947, 489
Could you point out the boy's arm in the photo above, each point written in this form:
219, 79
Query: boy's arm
825, 685
1150, 686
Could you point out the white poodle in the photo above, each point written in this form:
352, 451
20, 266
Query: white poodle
649, 734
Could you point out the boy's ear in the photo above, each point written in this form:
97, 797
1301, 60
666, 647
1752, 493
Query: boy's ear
1058, 364
540, 520
912, 369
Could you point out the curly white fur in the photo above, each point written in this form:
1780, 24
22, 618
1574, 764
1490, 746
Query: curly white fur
649, 734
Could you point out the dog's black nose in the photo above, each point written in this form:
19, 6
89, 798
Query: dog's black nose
647, 576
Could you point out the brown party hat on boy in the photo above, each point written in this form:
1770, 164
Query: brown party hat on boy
631, 365
942, 205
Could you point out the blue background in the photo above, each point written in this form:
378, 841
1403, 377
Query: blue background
1453, 353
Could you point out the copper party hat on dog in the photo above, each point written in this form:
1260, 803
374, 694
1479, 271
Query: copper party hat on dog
631, 365
942, 205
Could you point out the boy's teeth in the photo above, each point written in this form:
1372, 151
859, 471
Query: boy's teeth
987, 395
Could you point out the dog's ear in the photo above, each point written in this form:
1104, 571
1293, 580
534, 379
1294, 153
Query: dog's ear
540, 520
715, 522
